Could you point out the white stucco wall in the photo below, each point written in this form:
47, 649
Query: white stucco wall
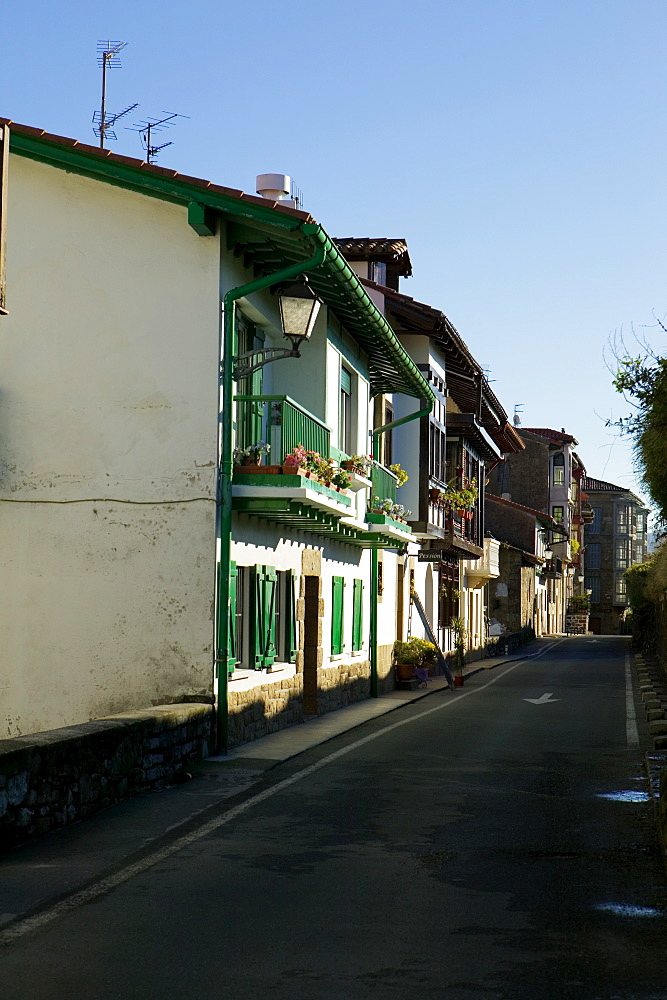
108, 400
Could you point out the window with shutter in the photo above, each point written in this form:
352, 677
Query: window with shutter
264, 617
357, 616
231, 617
338, 584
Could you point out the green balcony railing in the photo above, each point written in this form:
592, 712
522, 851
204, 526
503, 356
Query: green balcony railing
281, 423
384, 482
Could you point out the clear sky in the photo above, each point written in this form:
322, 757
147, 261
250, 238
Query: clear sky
518, 145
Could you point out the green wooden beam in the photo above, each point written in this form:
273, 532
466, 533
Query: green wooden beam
202, 219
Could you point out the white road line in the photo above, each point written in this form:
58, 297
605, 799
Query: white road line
91, 892
632, 735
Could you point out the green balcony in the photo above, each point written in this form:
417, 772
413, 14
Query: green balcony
281, 423
274, 493
384, 482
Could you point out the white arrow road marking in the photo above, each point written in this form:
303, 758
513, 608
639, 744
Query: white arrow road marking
546, 698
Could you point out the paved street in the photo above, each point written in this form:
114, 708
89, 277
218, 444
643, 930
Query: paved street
489, 843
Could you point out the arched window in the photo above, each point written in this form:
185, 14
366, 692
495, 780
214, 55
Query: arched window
559, 470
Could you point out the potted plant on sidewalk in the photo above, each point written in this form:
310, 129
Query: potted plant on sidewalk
458, 627
412, 656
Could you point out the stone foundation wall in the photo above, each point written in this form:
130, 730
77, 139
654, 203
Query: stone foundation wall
386, 672
50, 779
576, 624
343, 685
265, 709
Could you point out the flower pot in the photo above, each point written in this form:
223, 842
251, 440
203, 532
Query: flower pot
405, 671
262, 470
458, 680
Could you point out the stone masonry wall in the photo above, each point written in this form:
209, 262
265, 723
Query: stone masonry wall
50, 779
343, 685
265, 709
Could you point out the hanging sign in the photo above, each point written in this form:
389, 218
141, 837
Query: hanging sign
429, 555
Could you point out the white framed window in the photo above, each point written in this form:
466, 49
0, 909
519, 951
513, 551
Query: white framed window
559, 470
623, 518
622, 553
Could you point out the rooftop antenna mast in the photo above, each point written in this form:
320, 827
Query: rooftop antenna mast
518, 409
108, 58
146, 129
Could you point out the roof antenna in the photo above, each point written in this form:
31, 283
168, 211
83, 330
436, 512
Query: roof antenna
108, 58
518, 409
146, 129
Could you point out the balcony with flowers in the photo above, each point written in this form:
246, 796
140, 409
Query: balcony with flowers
285, 471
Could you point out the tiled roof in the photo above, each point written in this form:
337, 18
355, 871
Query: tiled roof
150, 168
264, 231
417, 317
590, 485
539, 514
391, 251
560, 437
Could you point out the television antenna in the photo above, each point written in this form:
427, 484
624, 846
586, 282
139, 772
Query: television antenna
146, 129
108, 58
518, 409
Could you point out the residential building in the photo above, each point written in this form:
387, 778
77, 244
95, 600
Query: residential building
525, 593
451, 448
137, 331
545, 476
615, 539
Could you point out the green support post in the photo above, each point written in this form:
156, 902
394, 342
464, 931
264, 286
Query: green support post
374, 553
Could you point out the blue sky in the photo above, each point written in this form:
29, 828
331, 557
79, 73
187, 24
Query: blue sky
518, 145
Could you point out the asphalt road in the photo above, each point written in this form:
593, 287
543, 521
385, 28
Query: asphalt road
471, 846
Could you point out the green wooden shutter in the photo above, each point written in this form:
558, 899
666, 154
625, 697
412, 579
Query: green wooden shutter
357, 615
265, 585
233, 659
290, 616
338, 584
230, 611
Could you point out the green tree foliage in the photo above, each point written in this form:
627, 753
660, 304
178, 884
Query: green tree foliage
644, 379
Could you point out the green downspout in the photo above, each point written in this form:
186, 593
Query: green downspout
374, 552
225, 472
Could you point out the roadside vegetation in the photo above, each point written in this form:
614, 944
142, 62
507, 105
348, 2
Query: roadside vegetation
642, 379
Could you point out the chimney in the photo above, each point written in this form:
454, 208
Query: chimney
275, 187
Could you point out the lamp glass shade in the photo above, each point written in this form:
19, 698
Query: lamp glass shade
298, 312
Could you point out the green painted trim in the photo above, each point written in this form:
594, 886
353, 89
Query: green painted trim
338, 266
370, 323
358, 364
139, 179
284, 399
202, 219
374, 518
296, 482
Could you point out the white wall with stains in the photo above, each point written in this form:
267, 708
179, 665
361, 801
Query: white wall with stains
108, 437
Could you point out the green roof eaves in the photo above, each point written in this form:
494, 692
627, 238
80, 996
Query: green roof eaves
134, 178
369, 325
